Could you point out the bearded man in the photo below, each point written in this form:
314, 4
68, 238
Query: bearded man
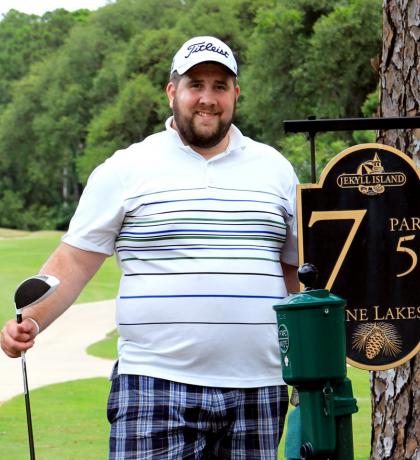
203, 224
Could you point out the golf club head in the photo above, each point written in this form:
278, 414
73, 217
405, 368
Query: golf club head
33, 290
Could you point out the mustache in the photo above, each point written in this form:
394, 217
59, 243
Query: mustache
211, 111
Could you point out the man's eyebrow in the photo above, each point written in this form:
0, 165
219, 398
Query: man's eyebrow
224, 82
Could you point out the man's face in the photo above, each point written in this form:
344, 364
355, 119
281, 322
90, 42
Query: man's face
203, 104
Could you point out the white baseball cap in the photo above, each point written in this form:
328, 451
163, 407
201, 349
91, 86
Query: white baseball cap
203, 49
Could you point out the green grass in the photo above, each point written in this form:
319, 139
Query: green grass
362, 419
70, 418
69, 422
106, 348
23, 254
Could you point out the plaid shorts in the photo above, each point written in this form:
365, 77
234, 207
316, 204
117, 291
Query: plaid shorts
155, 419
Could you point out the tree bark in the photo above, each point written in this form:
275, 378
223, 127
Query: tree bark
396, 392
399, 72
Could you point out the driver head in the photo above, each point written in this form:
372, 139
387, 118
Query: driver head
33, 290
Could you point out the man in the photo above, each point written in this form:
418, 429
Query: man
202, 221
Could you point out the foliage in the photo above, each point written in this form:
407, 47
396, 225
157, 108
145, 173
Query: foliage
310, 58
74, 87
277, 43
298, 152
132, 116
27, 39
341, 48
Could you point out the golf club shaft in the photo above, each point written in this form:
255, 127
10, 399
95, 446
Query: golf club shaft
30, 292
28, 407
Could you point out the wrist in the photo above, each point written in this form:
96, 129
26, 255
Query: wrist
38, 329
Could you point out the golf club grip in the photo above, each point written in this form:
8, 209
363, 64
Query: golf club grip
24, 373
19, 318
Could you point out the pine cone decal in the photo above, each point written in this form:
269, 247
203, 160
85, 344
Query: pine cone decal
376, 338
374, 344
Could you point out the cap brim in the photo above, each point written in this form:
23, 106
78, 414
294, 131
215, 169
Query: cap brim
187, 66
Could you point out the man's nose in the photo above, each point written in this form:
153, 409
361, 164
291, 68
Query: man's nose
207, 97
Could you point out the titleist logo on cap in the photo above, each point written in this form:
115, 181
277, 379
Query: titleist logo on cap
203, 49
203, 46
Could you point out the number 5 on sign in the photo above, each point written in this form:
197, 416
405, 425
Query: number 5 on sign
356, 216
410, 252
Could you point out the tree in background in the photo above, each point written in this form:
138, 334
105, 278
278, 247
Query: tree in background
309, 58
71, 99
27, 39
396, 392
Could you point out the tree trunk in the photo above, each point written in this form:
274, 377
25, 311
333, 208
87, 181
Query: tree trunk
396, 392
400, 88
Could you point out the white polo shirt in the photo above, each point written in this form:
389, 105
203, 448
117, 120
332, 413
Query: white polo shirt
199, 243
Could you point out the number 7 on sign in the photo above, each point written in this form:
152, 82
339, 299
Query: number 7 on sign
356, 216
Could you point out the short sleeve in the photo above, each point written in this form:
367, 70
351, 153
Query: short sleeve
100, 212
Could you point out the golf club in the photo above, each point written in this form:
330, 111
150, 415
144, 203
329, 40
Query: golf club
30, 292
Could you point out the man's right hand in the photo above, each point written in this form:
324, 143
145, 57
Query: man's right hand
15, 338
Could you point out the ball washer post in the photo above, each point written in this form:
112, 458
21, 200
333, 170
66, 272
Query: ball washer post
30, 292
311, 326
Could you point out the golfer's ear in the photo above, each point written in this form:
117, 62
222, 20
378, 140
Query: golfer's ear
237, 91
170, 92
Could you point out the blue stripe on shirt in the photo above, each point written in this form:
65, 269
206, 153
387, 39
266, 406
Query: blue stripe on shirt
126, 297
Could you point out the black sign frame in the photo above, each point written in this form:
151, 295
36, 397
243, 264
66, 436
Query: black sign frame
362, 184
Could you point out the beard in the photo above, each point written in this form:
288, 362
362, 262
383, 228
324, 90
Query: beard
193, 135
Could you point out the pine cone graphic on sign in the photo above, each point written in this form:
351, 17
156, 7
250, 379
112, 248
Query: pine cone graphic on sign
374, 344
376, 338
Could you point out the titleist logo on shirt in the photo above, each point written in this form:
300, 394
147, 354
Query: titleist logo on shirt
203, 46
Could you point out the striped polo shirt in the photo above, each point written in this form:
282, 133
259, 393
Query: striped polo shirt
199, 243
